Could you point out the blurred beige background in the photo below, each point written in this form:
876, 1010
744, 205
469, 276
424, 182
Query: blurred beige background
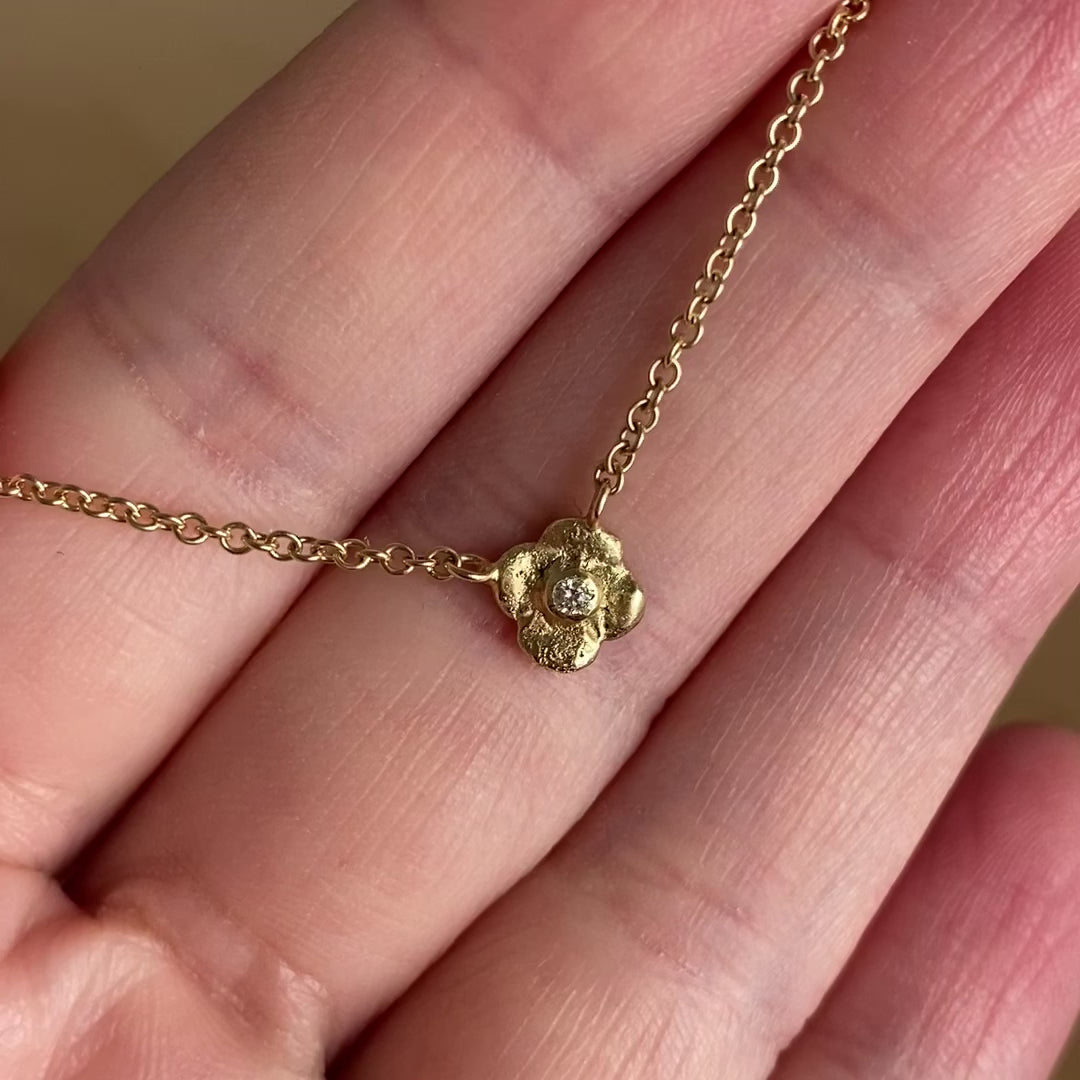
98, 99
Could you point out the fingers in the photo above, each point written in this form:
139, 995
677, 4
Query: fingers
696, 918
388, 764
284, 323
971, 969
83, 1000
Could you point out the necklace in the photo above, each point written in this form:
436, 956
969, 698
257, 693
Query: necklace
570, 591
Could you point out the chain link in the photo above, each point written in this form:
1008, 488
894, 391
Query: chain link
804, 91
238, 538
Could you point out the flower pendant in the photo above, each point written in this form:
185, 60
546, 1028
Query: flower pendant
569, 592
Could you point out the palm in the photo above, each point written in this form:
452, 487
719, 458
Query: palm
299, 313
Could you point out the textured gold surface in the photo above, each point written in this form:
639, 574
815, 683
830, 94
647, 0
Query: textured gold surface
525, 573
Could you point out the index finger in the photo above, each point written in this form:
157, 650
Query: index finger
278, 329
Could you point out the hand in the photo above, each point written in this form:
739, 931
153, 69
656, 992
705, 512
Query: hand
692, 860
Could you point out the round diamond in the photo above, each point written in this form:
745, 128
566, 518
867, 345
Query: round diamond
575, 596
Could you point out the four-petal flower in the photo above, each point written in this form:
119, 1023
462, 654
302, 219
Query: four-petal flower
568, 592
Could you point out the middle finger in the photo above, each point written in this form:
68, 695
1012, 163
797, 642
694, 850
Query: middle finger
358, 826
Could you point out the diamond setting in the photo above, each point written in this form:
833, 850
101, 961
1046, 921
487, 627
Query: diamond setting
575, 596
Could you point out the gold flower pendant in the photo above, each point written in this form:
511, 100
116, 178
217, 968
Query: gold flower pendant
568, 593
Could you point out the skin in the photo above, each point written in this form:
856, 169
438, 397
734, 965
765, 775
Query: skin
308, 823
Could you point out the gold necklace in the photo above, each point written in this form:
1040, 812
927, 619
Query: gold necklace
568, 592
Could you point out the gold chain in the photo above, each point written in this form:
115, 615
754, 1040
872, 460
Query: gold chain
238, 538
804, 91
